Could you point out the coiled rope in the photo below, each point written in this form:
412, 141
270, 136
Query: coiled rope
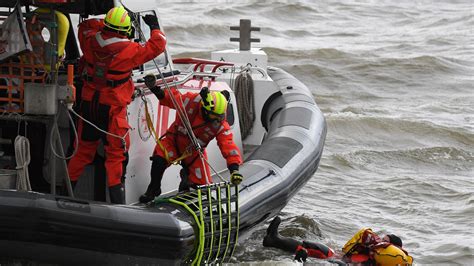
22, 156
244, 92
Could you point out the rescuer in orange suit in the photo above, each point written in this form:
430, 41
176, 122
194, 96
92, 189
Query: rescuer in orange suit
109, 57
207, 114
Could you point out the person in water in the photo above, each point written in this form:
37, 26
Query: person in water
364, 248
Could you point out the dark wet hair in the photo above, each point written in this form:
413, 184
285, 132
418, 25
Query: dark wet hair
395, 240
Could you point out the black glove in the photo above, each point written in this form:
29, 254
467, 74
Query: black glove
151, 21
233, 167
301, 255
158, 91
150, 82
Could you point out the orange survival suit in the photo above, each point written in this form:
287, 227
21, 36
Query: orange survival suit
176, 143
109, 59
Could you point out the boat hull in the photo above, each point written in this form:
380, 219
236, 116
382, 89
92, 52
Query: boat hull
48, 228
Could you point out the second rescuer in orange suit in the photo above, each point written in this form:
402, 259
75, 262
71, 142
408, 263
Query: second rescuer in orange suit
206, 113
109, 57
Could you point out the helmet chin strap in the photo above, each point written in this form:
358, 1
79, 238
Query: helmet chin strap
204, 96
131, 33
205, 114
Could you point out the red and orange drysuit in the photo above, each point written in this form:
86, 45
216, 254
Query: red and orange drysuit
108, 60
176, 142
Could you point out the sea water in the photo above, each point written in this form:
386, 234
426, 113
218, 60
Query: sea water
395, 82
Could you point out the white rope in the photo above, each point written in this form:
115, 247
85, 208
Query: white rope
51, 145
101, 130
22, 156
203, 159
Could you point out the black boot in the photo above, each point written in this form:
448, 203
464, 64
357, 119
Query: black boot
158, 167
73, 185
117, 194
273, 238
183, 185
63, 191
272, 232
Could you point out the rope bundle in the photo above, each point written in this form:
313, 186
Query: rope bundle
22, 156
244, 93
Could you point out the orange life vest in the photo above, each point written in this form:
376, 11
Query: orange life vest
366, 246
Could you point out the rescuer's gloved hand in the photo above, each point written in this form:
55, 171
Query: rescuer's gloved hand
301, 254
151, 21
150, 82
158, 91
236, 178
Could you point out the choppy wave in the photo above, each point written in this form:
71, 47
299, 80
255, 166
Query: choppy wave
224, 12
426, 160
394, 81
313, 54
369, 128
420, 65
291, 12
197, 31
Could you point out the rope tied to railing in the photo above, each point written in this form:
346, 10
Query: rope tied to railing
244, 92
23, 158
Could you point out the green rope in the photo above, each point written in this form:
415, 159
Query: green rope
201, 232
208, 233
201, 235
209, 198
237, 218
229, 221
219, 207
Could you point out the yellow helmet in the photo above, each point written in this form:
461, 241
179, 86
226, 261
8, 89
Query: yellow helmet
215, 104
117, 19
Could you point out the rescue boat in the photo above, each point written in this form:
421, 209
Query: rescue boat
274, 118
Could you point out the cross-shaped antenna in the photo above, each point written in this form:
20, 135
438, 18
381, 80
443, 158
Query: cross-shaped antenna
244, 37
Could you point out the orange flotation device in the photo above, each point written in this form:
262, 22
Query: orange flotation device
365, 245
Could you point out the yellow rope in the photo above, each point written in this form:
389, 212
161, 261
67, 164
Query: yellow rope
157, 139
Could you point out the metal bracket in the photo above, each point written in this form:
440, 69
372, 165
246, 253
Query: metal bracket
245, 30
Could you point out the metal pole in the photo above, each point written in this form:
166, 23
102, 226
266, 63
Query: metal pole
52, 163
61, 153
